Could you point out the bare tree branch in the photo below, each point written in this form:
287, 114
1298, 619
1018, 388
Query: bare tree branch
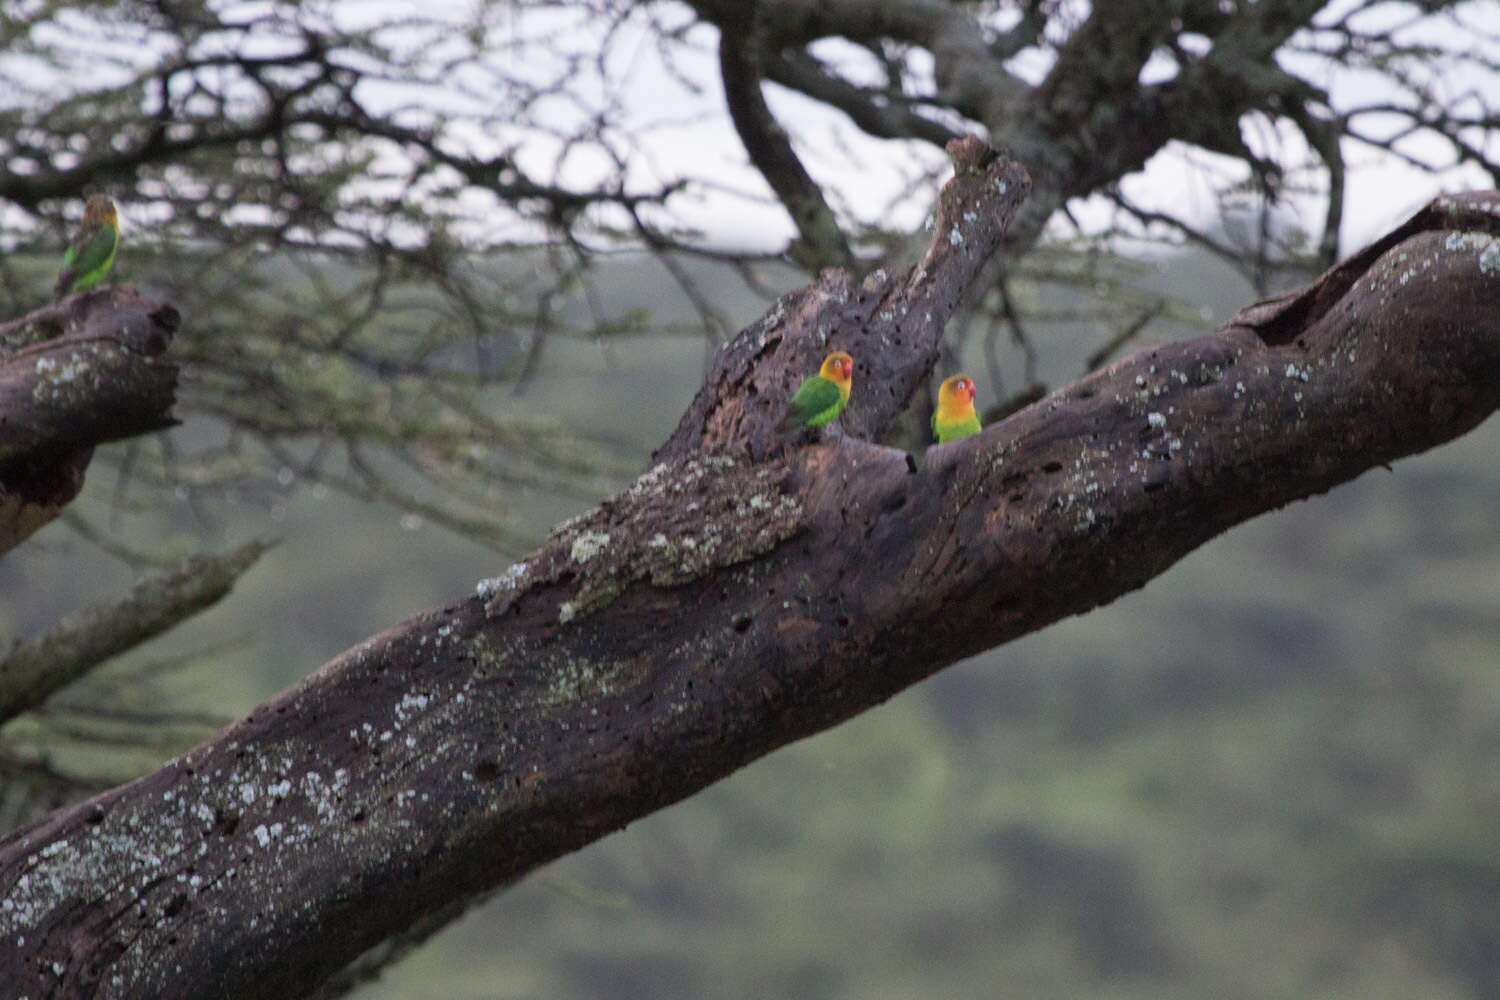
821, 242
31, 670
888, 114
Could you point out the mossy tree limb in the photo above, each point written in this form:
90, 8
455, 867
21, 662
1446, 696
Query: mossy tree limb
467, 746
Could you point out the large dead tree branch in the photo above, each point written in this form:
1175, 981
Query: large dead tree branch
74, 375
744, 593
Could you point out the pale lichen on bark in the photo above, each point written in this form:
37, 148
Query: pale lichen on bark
14, 336
71, 382
674, 524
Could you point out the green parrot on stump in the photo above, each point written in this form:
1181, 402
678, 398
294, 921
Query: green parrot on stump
954, 417
821, 397
88, 257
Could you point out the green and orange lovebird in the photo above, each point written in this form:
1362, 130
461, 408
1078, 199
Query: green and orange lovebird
954, 417
821, 397
87, 259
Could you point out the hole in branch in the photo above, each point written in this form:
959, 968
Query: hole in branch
226, 823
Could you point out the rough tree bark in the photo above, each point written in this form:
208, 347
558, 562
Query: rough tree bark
743, 593
73, 375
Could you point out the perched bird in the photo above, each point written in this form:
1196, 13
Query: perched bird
954, 417
821, 397
88, 257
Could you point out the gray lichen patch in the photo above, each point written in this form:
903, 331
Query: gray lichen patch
544, 676
14, 336
1487, 245
1205, 374
576, 679
674, 524
68, 382
513, 581
251, 821
163, 843
1489, 260
572, 679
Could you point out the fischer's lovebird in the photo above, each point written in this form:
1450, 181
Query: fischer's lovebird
821, 397
954, 417
88, 257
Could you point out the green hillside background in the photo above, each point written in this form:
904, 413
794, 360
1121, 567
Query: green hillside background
1274, 772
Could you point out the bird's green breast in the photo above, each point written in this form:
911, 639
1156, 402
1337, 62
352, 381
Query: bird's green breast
946, 431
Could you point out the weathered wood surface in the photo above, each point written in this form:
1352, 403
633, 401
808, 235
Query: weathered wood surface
75, 374
644, 652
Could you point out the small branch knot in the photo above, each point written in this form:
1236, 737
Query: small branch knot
969, 154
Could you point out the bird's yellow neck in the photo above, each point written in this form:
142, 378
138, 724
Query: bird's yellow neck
954, 408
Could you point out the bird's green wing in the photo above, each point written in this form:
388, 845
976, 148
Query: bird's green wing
98, 252
87, 260
815, 396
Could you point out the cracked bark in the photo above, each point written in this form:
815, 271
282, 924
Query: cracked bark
465, 747
73, 375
